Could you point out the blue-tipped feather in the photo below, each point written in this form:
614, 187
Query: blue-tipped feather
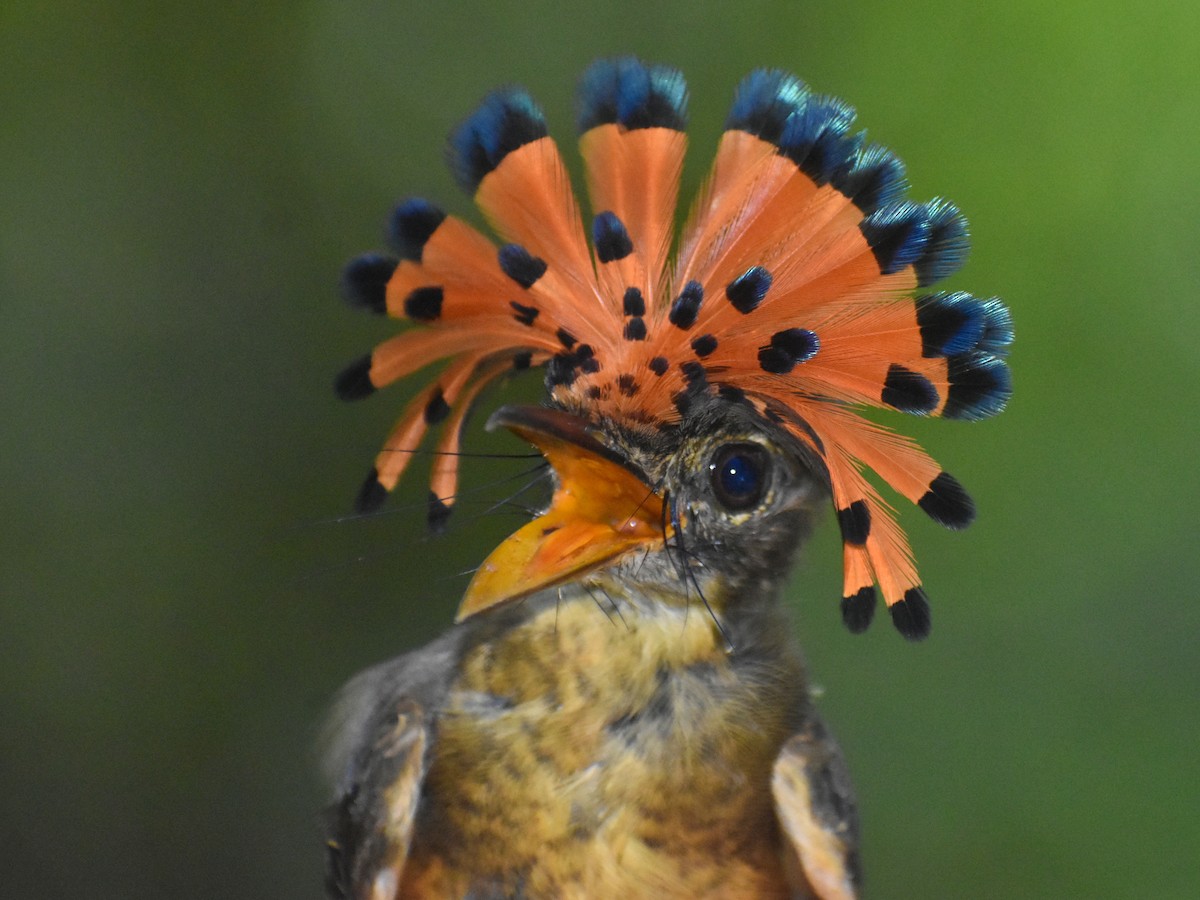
946, 250
950, 323
980, 385
764, 101
816, 140
365, 279
897, 233
997, 327
413, 222
632, 94
874, 179
506, 120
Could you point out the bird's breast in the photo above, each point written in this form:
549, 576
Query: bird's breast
586, 751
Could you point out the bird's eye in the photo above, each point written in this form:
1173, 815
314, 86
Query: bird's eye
739, 475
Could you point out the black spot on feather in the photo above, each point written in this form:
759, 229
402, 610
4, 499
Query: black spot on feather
908, 391
747, 291
522, 313
855, 523
610, 238
424, 304
520, 265
634, 303
704, 345
686, 306
788, 349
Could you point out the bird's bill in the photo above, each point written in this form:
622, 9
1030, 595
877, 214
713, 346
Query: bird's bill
601, 509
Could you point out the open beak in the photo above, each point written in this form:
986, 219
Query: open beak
601, 509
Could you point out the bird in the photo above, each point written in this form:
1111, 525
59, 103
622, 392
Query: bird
621, 707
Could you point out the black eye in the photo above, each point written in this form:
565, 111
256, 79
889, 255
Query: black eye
739, 475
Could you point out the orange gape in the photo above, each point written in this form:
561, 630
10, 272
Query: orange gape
620, 709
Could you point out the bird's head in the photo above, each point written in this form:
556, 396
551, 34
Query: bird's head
721, 498
704, 393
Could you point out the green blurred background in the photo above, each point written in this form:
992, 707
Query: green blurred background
179, 187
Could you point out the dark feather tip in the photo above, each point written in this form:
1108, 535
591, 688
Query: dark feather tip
815, 139
632, 94
948, 503
371, 495
412, 225
911, 615
980, 386
874, 179
997, 327
765, 100
950, 323
437, 408
945, 251
859, 609
437, 513
909, 391
354, 381
365, 280
505, 121
897, 234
